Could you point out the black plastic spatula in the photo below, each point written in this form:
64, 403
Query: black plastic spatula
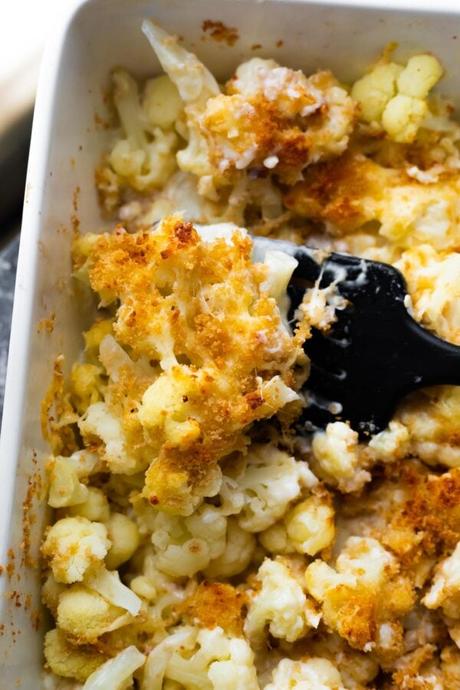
374, 353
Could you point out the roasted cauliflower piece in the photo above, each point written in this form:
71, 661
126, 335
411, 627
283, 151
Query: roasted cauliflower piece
267, 118
431, 419
70, 661
180, 298
394, 97
307, 528
310, 524
144, 157
163, 596
445, 587
279, 606
356, 193
239, 551
73, 545
339, 459
67, 475
124, 537
363, 598
311, 674
84, 615
200, 659
270, 482
95, 507
186, 545
433, 280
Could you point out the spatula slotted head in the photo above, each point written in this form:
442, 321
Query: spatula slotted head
374, 353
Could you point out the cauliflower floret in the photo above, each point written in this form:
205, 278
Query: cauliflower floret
116, 673
65, 475
145, 157
239, 549
395, 97
279, 605
433, 280
206, 541
124, 537
84, 615
375, 89
193, 81
272, 479
69, 661
337, 454
310, 524
363, 597
402, 118
275, 539
201, 660
95, 507
312, 674
73, 545
419, 76
391, 444
65, 488
164, 596
101, 423
445, 588
307, 528
165, 410
269, 116
87, 385
186, 545
195, 85
159, 657
51, 591
356, 192
432, 418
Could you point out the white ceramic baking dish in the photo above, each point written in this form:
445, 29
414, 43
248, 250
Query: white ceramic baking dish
94, 37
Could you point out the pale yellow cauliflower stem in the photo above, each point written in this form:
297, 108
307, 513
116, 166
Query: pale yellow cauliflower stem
201, 660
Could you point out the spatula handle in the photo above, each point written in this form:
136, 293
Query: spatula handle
437, 361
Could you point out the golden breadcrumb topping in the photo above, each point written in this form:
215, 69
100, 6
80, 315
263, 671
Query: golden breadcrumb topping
217, 604
214, 354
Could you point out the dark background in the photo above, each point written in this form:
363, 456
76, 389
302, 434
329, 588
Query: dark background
14, 149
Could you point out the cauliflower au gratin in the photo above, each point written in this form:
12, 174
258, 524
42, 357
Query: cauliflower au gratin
198, 543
